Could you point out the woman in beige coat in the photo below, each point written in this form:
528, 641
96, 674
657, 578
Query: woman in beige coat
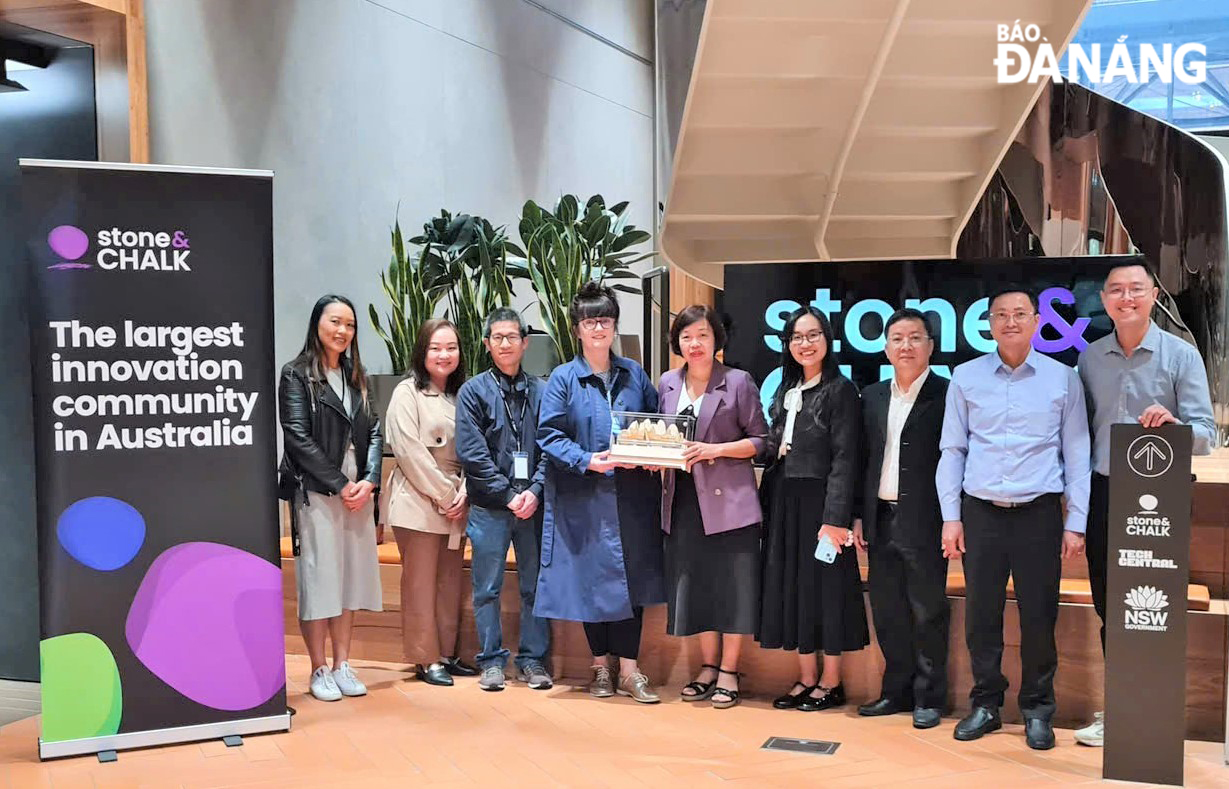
426, 503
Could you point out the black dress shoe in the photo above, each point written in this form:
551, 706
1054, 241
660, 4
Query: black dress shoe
926, 717
790, 701
458, 669
882, 706
1039, 734
982, 720
832, 698
434, 674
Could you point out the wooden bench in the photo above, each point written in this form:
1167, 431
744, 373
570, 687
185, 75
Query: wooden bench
1071, 590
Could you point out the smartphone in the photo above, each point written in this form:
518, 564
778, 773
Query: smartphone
825, 551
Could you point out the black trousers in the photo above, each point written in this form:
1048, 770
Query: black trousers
621, 638
1096, 544
1025, 543
908, 587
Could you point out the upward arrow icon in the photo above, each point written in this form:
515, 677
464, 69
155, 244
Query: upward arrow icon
1150, 453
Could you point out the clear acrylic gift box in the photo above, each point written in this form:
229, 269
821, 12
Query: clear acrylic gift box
640, 439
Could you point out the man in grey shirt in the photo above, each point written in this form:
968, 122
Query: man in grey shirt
1137, 373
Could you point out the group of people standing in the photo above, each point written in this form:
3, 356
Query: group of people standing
914, 471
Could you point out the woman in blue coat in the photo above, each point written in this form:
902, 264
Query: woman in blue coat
601, 535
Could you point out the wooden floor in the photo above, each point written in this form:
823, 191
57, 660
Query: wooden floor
405, 733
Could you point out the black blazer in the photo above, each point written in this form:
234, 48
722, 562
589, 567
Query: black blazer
919, 522
825, 448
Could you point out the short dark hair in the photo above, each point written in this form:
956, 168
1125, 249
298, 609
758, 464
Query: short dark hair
593, 300
1141, 263
1009, 288
694, 314
504, 315
418, 360
907, 314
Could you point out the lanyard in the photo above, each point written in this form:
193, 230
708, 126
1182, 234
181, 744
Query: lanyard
513, 424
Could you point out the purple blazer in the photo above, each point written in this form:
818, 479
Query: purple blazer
730, 411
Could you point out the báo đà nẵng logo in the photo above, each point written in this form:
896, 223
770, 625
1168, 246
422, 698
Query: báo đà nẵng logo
1138, 64
121, 249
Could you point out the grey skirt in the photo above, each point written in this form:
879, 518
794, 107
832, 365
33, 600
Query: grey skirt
337, 568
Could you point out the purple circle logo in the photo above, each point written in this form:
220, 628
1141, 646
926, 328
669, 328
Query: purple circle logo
70, 244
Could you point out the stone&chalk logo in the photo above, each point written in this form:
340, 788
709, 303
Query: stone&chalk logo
69, 244
121, 249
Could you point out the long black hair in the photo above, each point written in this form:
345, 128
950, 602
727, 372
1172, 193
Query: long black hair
791, 370
312, 355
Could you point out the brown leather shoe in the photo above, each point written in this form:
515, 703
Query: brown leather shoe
637, 686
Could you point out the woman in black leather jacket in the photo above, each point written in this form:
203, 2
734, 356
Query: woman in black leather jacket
330, 428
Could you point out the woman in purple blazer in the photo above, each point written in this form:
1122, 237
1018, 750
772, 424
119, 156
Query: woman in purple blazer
711, 513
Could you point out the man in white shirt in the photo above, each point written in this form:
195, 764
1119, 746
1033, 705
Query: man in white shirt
900, 524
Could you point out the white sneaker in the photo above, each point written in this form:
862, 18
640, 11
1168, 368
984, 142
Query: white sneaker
347, 681
323, 687
1094, 733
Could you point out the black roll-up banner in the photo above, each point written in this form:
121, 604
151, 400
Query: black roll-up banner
1146, 594
154, 417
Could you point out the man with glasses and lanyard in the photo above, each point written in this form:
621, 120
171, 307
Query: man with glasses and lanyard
497, 427
1014, 440
1138, 373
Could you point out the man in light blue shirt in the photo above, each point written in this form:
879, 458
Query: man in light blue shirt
1015, 439
1137, 374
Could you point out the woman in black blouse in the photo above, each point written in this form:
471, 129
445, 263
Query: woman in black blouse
809, 489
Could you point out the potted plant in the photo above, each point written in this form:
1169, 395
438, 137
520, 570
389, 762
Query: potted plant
473, 258
414, 287
565, 248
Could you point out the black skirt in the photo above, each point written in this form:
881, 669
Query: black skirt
808, 606
712, 580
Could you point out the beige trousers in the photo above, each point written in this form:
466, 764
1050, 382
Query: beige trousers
430, 595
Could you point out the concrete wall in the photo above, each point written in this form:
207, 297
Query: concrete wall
358, 105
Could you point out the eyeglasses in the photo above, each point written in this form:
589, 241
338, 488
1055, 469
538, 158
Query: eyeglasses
593, 324
505, 339
1135, 291
812, 338
910, 340
1019, 316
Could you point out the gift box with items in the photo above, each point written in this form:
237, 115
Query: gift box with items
650, 439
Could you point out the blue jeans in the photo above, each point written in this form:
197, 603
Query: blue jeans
490, 533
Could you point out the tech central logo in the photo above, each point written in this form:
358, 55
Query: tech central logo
1148, 523
1144, 609
1133, 558
143, 250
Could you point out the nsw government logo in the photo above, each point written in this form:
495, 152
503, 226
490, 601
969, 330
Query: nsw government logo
1145, 606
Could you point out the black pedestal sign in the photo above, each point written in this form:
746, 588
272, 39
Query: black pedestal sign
1145, 638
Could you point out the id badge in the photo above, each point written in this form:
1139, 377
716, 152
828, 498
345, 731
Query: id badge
520, 466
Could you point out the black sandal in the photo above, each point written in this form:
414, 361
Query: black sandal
700, 691
731, 696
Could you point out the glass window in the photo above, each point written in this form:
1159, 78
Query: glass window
1136, 23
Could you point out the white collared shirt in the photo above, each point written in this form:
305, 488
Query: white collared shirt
898, 413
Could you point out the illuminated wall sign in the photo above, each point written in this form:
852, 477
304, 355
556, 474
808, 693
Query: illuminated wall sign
859, 297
